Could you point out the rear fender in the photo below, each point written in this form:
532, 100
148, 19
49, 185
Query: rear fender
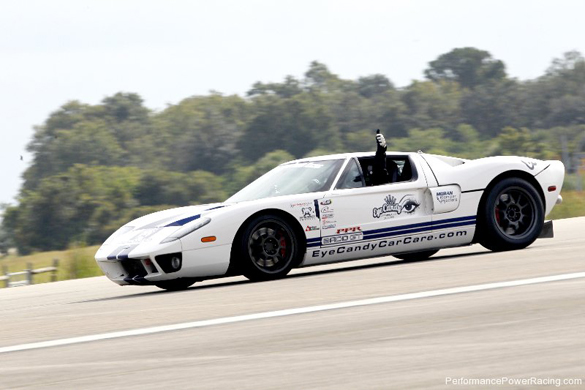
477, 174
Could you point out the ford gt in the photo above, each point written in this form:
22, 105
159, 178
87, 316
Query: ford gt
327, 209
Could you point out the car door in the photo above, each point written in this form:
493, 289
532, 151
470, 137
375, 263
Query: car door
359, 221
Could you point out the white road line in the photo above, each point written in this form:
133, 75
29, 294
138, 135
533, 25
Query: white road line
288, 312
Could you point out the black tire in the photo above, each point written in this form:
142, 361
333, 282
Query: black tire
268, 248
511, 217
416, 256
175, 285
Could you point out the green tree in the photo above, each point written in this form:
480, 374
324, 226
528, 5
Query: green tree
468, 66
374, 85
427, 140
297, 125
556, 98
320, 78
201, 132
468, 144
520, 142
288, 88
124, 107
491, 107
179, 189
432, 105
244, 175
5, 238
83, 134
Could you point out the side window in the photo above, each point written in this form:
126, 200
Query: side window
399, 169
352, 177
406, 170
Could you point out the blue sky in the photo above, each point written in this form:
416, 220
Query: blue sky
60, 50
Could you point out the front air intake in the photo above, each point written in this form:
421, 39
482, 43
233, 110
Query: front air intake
134, 267
170, 263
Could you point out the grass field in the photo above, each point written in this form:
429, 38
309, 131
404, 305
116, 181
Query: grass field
573, 205
79, 263
73, 263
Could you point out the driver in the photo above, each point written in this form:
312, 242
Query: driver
381, 168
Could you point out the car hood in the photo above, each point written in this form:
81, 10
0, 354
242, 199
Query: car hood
155, 227
174, 217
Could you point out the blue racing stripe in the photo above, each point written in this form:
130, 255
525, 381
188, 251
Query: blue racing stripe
448, 225
369, 235
402, 227
183, 221
421, 224
311, 242
214, 208
124, 254
112, 256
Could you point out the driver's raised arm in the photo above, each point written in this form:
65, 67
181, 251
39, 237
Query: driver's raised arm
379, 171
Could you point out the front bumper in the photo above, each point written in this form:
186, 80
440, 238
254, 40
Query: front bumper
133, 271
148, 269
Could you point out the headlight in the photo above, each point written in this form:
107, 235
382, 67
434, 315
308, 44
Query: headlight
189, 228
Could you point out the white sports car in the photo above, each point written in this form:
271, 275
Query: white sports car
325, 209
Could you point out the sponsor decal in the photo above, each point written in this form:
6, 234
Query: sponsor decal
344, 238
530, 164
311, 228
329, 226
326, 202
447, 197
408, 204
327, 216
300, 204
349, 230
307, 213
317, 214
377, 245
326, 209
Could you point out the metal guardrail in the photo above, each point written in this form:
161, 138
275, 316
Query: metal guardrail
8, 277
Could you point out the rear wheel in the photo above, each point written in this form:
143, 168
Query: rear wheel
512, 216
175, 285
416, 256
268, 248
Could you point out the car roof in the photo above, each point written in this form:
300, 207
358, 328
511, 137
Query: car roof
343, 156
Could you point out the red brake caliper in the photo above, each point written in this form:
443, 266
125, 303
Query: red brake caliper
282, 246
498, 215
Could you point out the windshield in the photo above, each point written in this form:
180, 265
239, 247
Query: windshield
291, 179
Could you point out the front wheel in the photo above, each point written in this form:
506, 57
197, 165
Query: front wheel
268, 247
512, 216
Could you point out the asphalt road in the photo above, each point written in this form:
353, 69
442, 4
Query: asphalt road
529, 332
